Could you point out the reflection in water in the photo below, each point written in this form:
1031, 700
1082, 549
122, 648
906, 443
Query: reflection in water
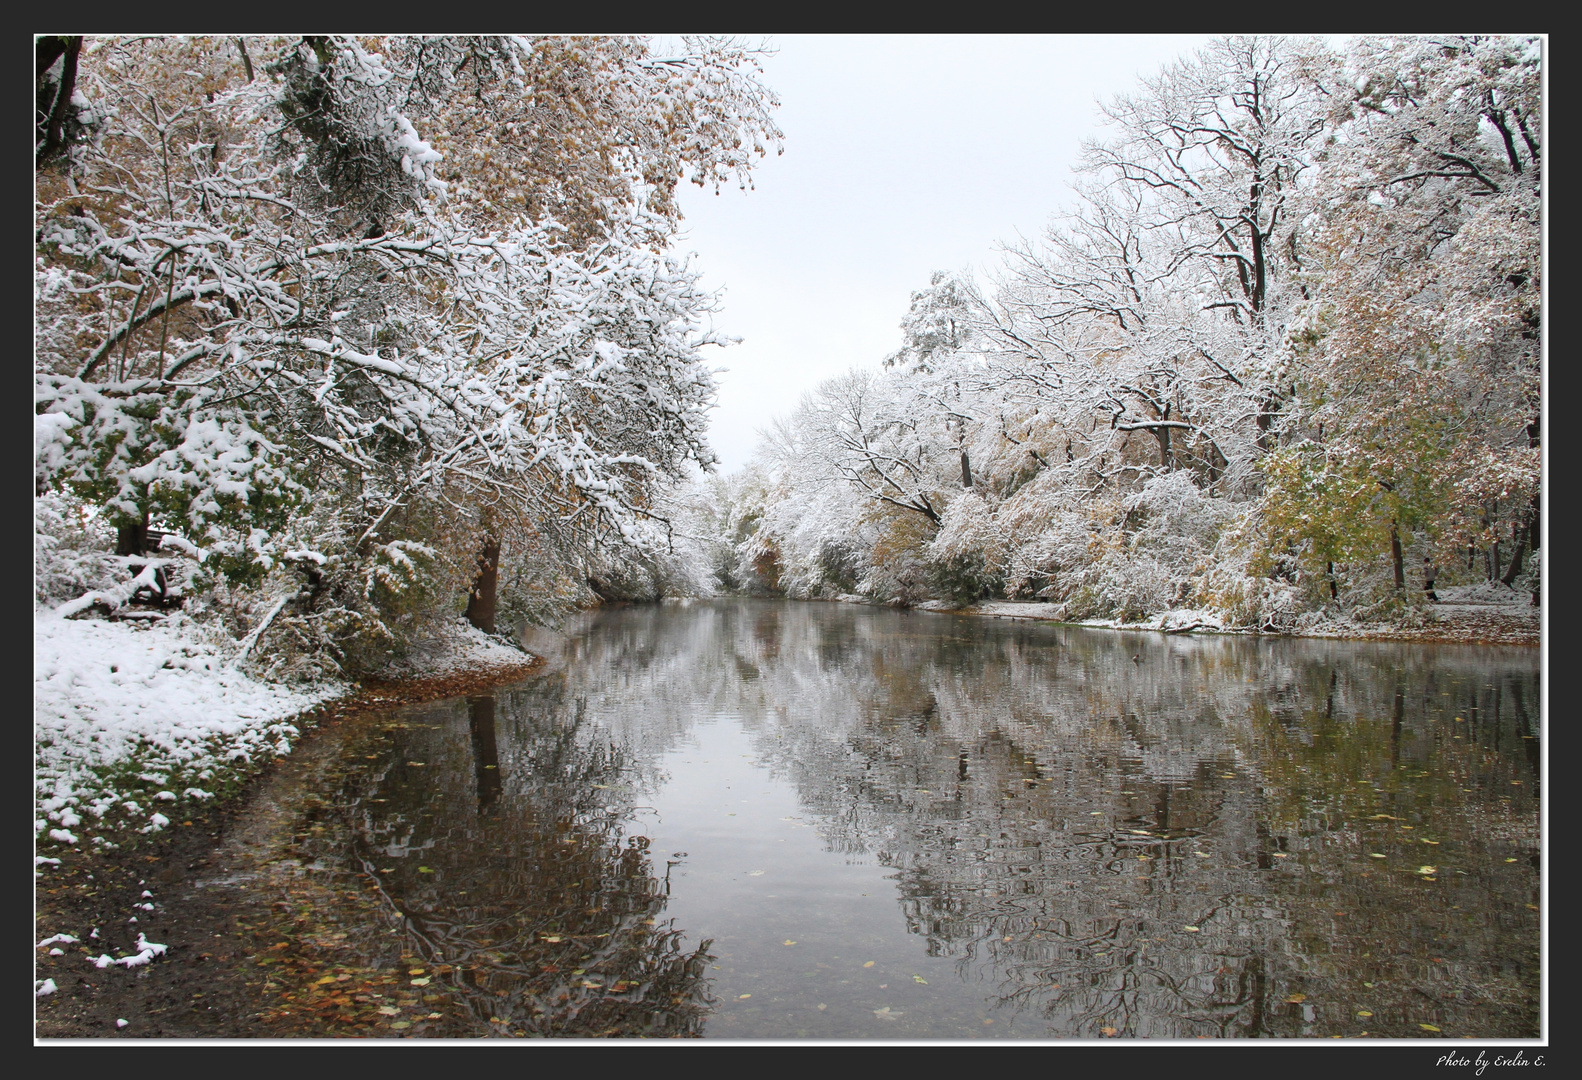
498, 842
1224, 837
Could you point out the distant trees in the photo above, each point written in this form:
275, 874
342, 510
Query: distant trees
275, 317
1288, 333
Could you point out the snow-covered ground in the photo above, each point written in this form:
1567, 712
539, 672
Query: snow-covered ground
1484, 612
133, 720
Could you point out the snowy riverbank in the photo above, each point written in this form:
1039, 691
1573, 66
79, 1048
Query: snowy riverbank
135, 721
1474, 614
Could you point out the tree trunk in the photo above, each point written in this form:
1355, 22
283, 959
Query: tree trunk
481, 600
1516, 562
1334, 590
966, 470
131, 539
1395, 555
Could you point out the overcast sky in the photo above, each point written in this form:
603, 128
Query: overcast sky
903, 155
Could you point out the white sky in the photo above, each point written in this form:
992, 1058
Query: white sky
903, 155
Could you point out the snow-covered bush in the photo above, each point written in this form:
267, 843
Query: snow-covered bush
73, 551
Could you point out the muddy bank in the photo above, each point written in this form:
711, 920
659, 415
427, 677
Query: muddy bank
241, 961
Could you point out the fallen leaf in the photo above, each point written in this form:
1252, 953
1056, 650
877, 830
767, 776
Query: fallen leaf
550, 938
870, 962
326, 979
822, 1006
1428, 869
1363, 1012
424, 870
424, 981
919, 979
1510, 860
886, 1014
744, 997
414, 971
1007, 937
389, 1010
1375, 855
755, 873
399, 1024
1385, 817
1295, 999
788, 941
1190, 929
1280, 855
1107, 1030
1428, 1027
417, 763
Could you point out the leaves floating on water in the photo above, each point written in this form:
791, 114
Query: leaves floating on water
919, 979
1428, 1027
886, 1014
868, 964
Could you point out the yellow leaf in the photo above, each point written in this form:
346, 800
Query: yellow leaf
1428, 1027
788, 941
1375, 855
1428, 869
1296, 999
1107, 1030
1190, 929
744, 997
1363, 1012
868, 964
919, 979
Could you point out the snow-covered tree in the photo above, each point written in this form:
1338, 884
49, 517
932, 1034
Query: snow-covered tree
256, 291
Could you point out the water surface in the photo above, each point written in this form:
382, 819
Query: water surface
778, 820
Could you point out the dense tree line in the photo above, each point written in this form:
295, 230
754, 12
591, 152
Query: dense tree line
1281, 355
363, 326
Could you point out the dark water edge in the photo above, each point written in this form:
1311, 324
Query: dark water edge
772, 820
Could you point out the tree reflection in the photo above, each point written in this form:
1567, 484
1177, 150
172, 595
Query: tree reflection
1227, 838
506, 855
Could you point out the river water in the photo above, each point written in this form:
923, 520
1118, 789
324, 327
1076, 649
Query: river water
748, 819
